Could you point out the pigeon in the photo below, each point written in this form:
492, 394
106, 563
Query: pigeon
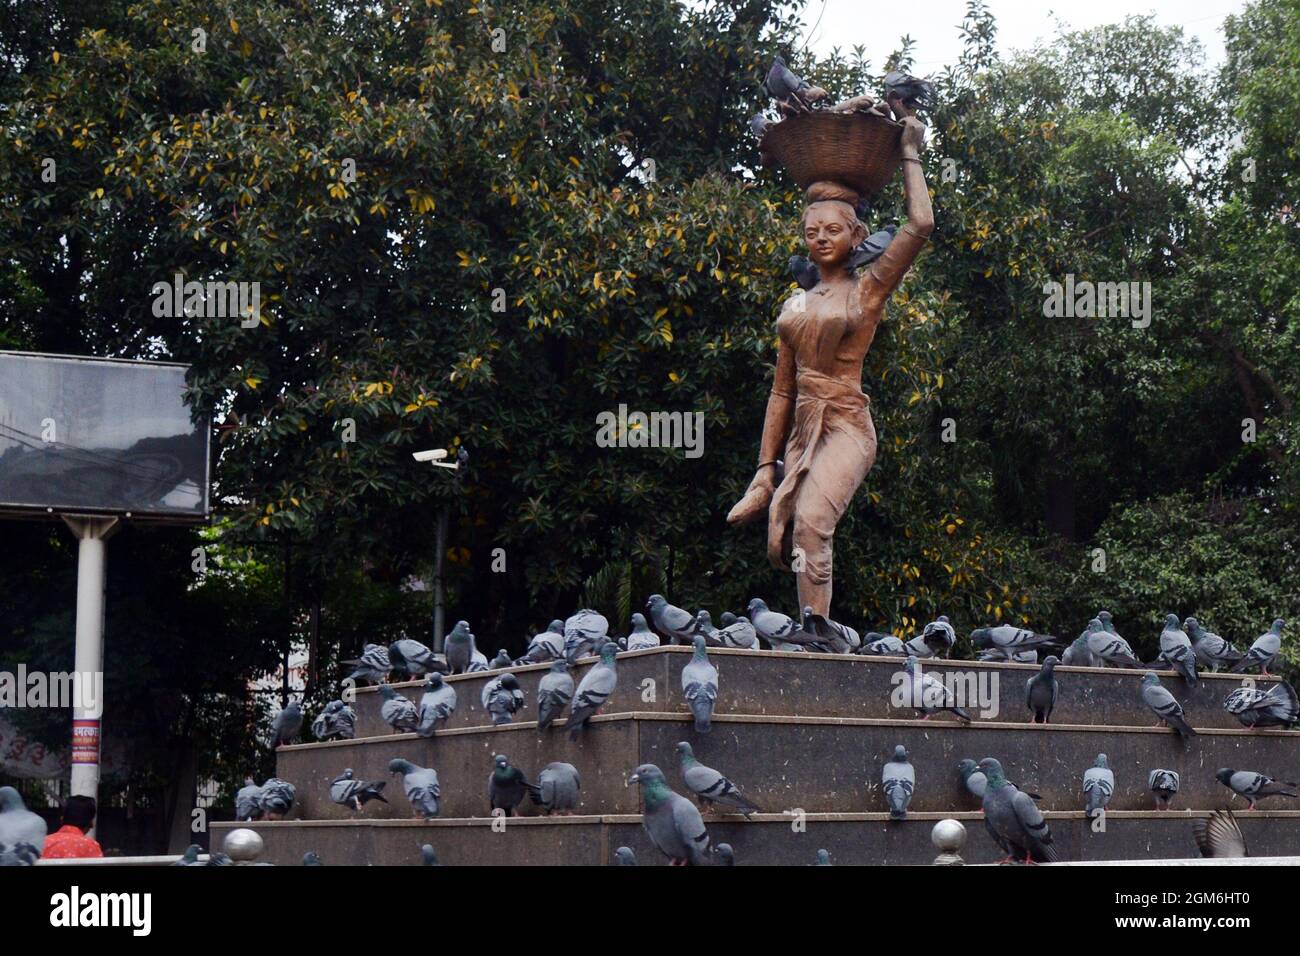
1112, 649
276, 798
502, 698
546, 646
216, 858
1176, 648
1041, 691
912, 91
1170, 712
373, 664
758, 124
398, 712
1079, 654
709, 786
460, 648
412, 657
725, 855
919, 648
558, 788
624, 856
478, 662
436, 706
738, 632
1276, 707
347, 792
823, 858
1253, 786
337, 721
286, 725
782, 633
22, 833
1263, 651
1013, 819
1018, 657
882, 644
1164, 786
1098, 786
501, 660
1211, 650
972, 778
582, 633
791, 91
311, 859
1009, 640
868, 251
928, 694
831, 635
898, 780
246, 801
421, 786
641, 638
700, 686
671, 621
704, 628
804, 272
190, 857
554, 692
672, 822
427, 856
507, 785
1219, 836
594, 689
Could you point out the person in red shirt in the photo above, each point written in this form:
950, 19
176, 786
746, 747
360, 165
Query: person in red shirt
69, 842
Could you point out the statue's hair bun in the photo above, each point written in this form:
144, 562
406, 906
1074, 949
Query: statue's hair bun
827, 190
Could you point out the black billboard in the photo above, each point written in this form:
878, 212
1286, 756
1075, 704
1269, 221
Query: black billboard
100, 436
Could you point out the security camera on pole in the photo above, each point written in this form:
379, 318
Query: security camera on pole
435, 456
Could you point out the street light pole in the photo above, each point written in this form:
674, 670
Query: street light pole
434, 456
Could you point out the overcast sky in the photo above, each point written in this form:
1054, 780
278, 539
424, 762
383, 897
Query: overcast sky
933, 24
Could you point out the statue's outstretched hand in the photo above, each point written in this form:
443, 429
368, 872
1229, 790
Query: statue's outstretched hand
757, 497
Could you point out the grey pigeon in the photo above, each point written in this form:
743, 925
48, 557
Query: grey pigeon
1163, 704
1253, 786
782, 633
1009, 640
1098, 786
216, 858
583, 632
246, 801
624, 856
594, 689
276, 798
398, 712
460, 649
286, 725
436, 706
22, 833
1211, 650
1164, 786
869, 250
704, 628
804, 272
1219, 836
823, 858
1079, 654
758, 124
792, 92
673, 622
311, 859
710, 786
898, 780
641, 638
190, 857
546, 646
1276, 707
478, 662
558, 788
502, 698
1013, 819
672, 822
501, 660
1041, 691
972, 778
427, 856
421, 786
919, 648
1176, 648
912, 91
700, 686
412, 657
337, 721
347, 792
831, 635
1112, 649
1017, 657
883, 644
725, 855
738, 632
373, 664
554, 692
1263, 651
928, 694
507, 785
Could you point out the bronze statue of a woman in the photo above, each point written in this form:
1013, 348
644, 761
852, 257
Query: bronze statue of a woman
817, 417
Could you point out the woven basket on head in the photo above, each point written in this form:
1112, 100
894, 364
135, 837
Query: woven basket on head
859, 150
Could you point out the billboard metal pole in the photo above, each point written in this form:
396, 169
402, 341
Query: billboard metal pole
92, 534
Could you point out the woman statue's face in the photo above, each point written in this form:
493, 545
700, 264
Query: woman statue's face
829, 235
